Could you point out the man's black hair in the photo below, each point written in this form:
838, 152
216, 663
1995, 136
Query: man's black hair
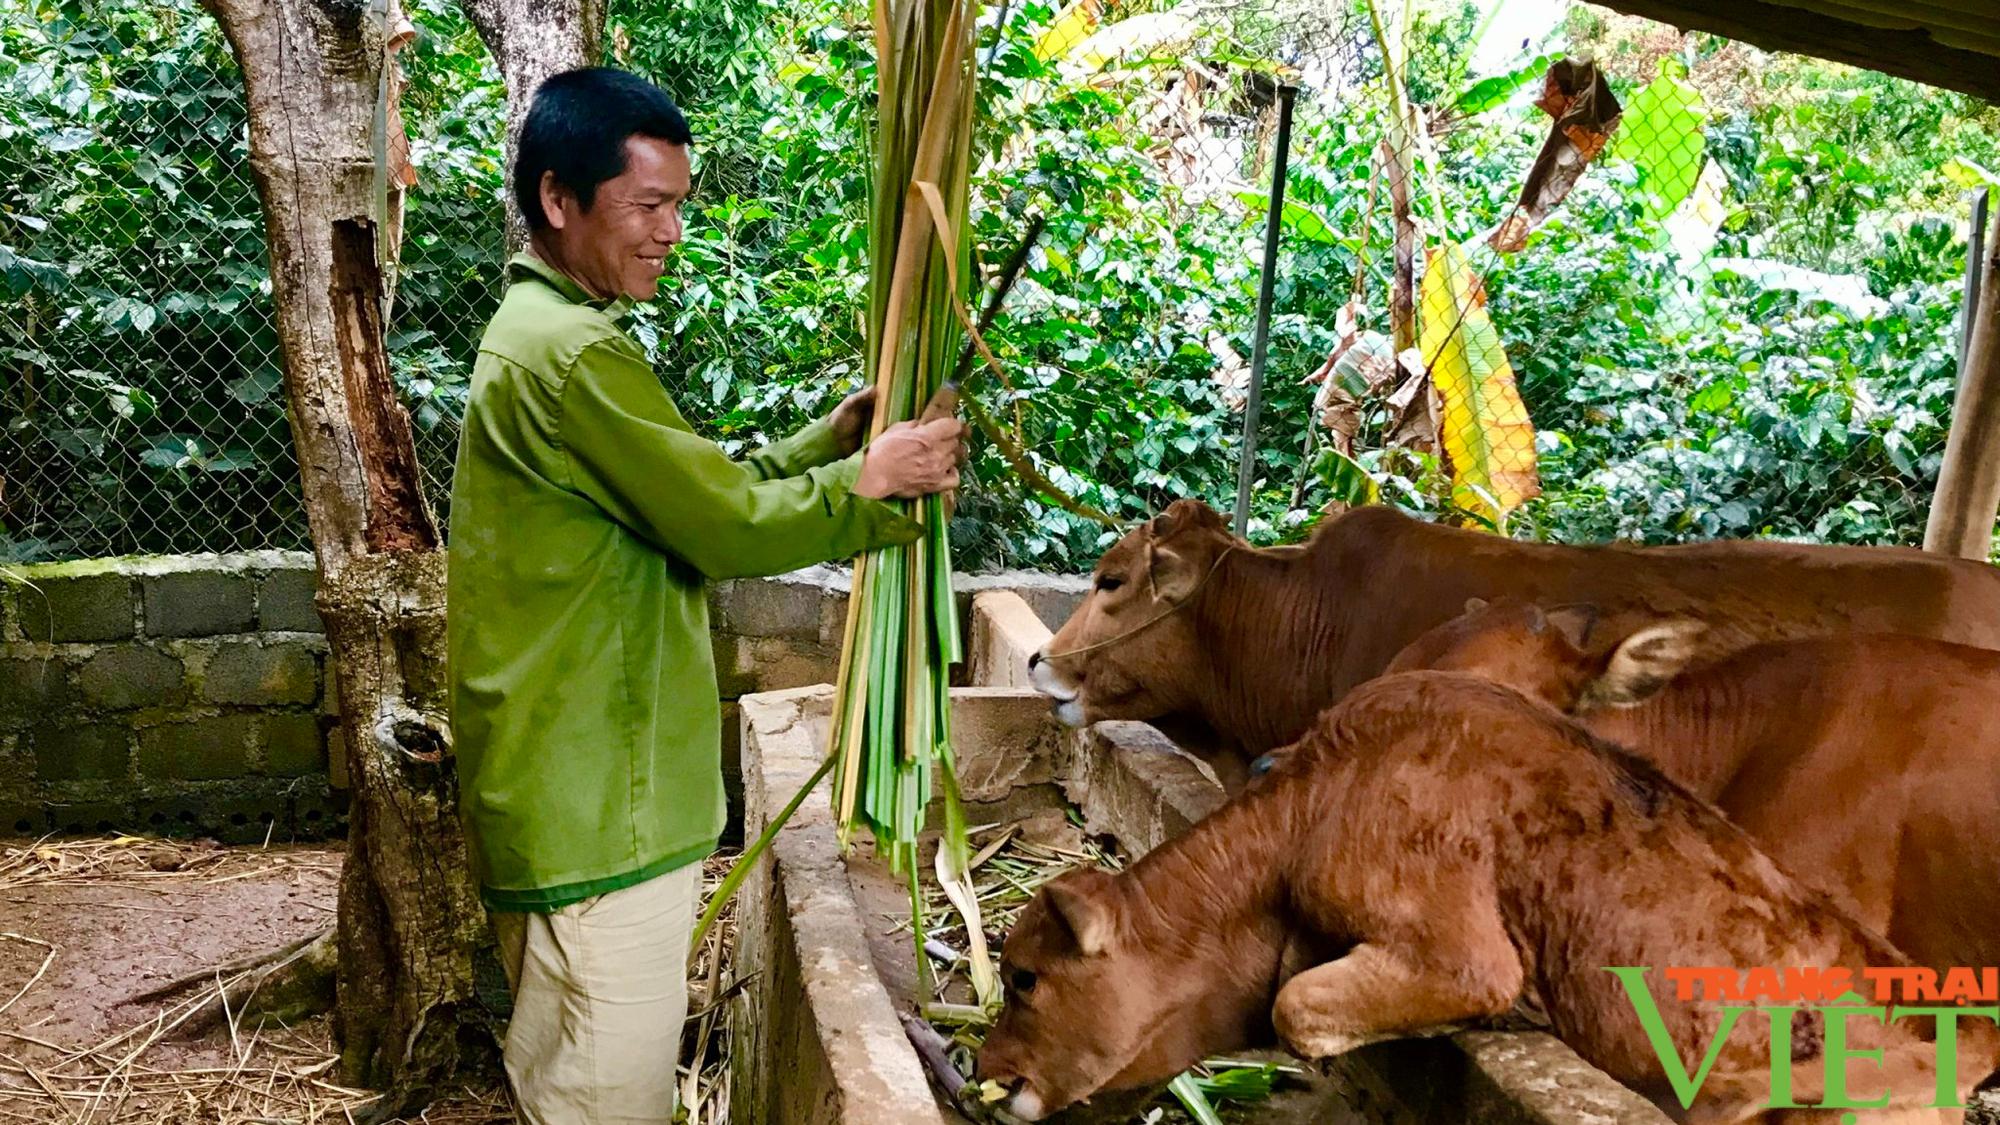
576, 128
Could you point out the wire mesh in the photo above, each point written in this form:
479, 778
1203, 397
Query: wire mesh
1739, 319
142, 408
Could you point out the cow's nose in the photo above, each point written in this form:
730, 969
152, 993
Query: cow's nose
1034, 659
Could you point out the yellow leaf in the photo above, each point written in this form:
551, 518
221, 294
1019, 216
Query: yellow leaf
1483, 427
1133, 36
1072, 26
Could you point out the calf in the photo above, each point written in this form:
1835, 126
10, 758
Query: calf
1436, 849
1185, 621
1867, 765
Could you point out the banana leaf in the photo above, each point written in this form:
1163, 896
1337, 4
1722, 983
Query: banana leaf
1484, 430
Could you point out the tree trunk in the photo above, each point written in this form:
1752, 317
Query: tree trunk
320, 81
1968, 489
532, 39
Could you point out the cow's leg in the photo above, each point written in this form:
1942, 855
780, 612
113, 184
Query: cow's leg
1384, 991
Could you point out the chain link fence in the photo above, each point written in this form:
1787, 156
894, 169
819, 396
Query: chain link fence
142, 407
1728, 310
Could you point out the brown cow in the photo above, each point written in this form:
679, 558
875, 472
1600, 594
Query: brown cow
1438, 849
1867, 765
1184, 620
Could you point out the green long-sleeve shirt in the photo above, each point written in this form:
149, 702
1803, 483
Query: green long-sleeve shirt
585, 517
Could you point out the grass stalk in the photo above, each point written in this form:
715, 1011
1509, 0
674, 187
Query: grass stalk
891, 727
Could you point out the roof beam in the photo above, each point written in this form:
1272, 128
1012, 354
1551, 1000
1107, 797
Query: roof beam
1911, 54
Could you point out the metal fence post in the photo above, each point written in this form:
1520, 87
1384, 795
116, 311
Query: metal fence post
1247, 470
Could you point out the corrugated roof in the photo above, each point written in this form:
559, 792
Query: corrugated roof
1954, 44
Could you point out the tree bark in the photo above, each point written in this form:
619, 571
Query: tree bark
532, 39
320, 81
1968, 490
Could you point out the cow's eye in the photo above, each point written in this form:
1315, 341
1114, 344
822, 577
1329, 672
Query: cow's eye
1022, 980
1108, 583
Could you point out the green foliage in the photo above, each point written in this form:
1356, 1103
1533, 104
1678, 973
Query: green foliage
141, 405
1660, 135
140, 378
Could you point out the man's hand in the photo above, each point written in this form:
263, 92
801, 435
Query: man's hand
851, 418
911, 460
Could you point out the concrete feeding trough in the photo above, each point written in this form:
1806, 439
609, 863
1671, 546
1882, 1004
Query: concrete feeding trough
817, 1036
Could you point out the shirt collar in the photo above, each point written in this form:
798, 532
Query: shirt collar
525, 264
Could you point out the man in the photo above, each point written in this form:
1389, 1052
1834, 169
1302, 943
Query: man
585, 518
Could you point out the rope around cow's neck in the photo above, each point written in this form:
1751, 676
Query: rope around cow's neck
1172, 608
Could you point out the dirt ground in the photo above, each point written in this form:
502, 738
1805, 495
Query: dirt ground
85, 925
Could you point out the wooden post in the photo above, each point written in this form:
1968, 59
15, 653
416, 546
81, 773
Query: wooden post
1968, 490
1975, 274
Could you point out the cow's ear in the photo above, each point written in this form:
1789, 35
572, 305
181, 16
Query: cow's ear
1082, 902
1574, 623
1170, 573
1646, 661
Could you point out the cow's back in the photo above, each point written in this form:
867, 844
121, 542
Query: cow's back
1409, 576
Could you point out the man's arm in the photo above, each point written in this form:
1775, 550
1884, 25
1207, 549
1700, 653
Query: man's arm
811, 447
629, 451
831, 438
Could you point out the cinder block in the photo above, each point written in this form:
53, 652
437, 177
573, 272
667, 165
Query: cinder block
1053, 597
318, 813
229, 813
752, 664
262, 674
23, 818
91, 816
89, 752
66, 608
285, 602
294, 745
772, 607
832, 617
200, 750
131, 675
199, 603
31, 690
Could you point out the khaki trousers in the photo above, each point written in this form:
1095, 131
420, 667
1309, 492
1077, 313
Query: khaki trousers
600, 993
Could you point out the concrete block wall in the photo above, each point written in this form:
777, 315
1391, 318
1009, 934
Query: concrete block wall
192, 693
177, 694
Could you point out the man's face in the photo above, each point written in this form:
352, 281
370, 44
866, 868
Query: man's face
620, 245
